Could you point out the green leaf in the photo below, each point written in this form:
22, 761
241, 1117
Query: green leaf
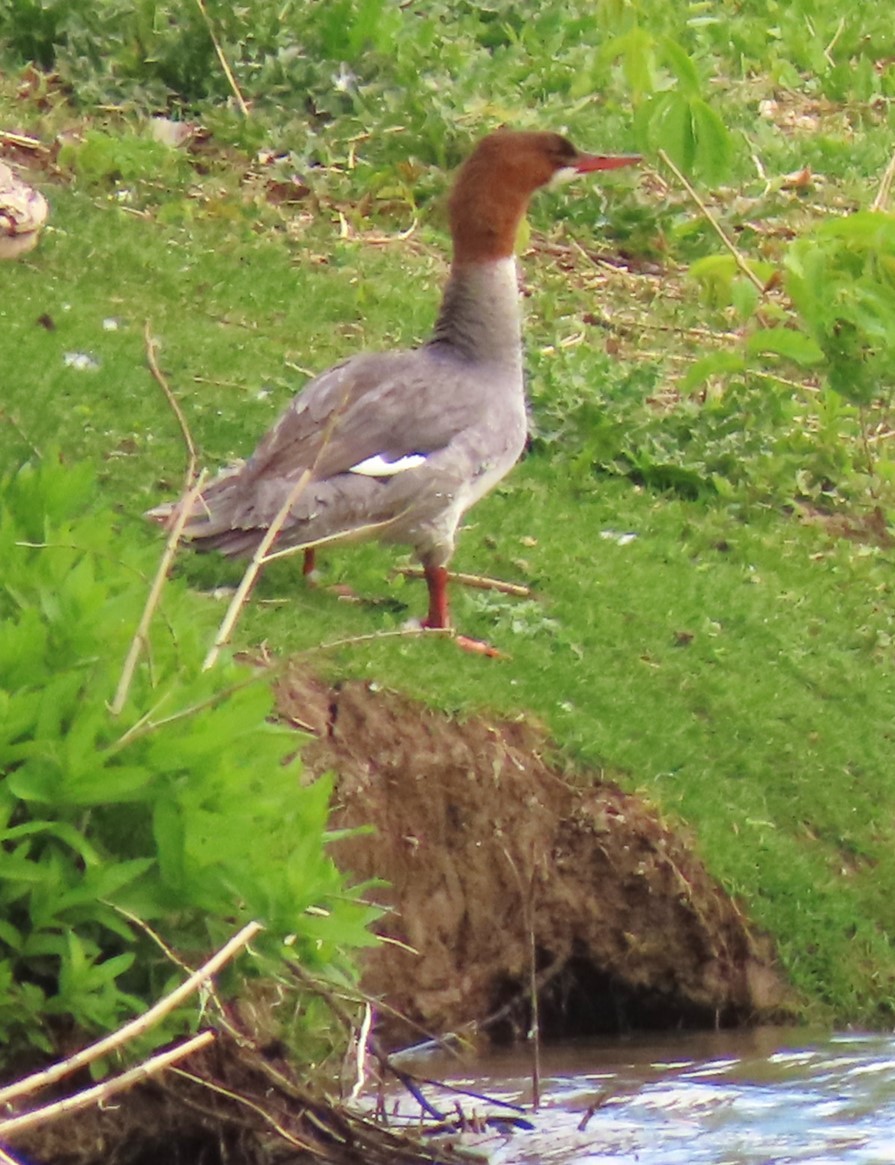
636, 50
744, 296
672, 129
168, 831
795, 346
717, 364
681, 64
712, 145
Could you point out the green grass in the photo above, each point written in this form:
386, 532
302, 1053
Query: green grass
731, 663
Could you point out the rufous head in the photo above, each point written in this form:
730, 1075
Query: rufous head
496, 181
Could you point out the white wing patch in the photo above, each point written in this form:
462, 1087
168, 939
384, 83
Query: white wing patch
377, 466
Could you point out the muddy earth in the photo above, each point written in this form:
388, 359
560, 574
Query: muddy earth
497, 860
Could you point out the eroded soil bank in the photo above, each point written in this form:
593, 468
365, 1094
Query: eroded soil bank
489, 850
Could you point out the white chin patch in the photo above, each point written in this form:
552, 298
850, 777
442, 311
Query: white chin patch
563, 175
377, 466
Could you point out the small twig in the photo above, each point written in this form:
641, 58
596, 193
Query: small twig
475, 581
141, 635
629, 327
20, 433
145, 725
23, 142
108, 1088
869, 454
182, 514
375, 636
136, 1026
244, 1100
714, 224
828, 51
228, 73
885, 187
527, 899
141, 924
361, 1057
158, 376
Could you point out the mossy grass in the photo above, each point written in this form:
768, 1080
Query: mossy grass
699, 630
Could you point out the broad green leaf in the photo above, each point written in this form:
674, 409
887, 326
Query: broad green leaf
795, 346
711, 160
744, 296
717, 364
168, 830
680, 63
672, 129
10, 935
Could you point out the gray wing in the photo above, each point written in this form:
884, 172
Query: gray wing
391, 404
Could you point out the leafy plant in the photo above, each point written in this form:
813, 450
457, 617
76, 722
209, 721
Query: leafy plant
671, 112
183, 811
841, 279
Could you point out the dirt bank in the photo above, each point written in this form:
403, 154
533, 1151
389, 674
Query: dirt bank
487, 848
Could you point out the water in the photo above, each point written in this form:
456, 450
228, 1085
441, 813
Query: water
756, 1098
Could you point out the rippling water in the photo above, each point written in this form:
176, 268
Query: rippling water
749, 1099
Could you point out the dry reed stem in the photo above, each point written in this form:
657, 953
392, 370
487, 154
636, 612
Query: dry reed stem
23, 142
193, 486
228, 73
374, 636
141, 635
714, 224
136, 1026
882, 195
527, 900
158, 376
108, 1088
259, 558
475, 581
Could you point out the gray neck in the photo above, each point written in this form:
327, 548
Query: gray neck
479, 316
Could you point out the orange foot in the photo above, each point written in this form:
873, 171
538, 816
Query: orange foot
479, 646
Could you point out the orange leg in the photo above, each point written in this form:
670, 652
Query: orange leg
436, 581
439, 615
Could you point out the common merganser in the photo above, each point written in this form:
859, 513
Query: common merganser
23, 212
399, 445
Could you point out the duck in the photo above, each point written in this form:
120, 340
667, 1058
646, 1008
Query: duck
397, 446
23, 212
